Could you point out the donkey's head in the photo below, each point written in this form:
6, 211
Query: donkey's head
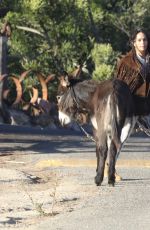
68, 104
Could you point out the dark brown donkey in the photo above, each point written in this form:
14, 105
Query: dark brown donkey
111, 111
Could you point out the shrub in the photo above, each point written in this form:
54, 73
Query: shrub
104, 58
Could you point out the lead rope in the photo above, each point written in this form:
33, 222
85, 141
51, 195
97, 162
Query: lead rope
143, 129
85, 132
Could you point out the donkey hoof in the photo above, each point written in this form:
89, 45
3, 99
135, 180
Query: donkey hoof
111, 183
97, 181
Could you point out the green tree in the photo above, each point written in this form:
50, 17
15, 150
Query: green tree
122, 17
61, 35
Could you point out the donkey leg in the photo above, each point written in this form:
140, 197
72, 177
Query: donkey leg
117, 176
125, 132
102, 155
97, 157
112, 162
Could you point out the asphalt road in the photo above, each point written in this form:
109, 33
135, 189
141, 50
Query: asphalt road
123, 207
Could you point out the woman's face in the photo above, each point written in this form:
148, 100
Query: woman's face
141, 43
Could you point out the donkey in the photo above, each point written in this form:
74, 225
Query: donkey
111, 109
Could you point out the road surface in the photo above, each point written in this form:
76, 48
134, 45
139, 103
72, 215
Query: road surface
47, 183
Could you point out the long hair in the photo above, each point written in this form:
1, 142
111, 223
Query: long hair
133, 37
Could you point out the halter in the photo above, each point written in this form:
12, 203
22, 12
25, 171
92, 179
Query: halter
74, 97
76, 101
80, 110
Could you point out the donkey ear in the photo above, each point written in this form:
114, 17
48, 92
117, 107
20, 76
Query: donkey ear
64, 81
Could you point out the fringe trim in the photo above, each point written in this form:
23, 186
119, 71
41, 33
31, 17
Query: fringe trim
130, 76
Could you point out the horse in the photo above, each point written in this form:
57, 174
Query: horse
111, 110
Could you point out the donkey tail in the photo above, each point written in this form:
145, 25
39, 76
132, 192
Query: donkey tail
111, 118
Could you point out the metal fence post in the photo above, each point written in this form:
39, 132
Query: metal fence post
3, 64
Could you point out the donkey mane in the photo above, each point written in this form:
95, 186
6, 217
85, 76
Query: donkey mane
85, 88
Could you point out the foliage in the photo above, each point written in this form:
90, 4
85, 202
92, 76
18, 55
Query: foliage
104, 58
50, 36
65, 38
122, 17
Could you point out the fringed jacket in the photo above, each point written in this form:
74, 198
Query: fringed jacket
131, 71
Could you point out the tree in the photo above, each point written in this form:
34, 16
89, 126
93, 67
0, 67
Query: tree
63, 34
51, 36
122, 17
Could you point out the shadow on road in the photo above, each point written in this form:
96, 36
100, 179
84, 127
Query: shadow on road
45, 147
44, 141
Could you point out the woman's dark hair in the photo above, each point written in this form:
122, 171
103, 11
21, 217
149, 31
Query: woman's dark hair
134, 34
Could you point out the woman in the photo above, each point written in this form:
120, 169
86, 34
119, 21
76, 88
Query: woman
134, 69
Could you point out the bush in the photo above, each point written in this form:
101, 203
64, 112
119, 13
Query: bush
102, 72
104, 58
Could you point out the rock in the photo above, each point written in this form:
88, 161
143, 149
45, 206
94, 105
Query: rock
43, 120
17, 117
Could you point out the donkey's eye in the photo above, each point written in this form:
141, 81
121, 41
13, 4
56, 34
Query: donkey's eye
58, 98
